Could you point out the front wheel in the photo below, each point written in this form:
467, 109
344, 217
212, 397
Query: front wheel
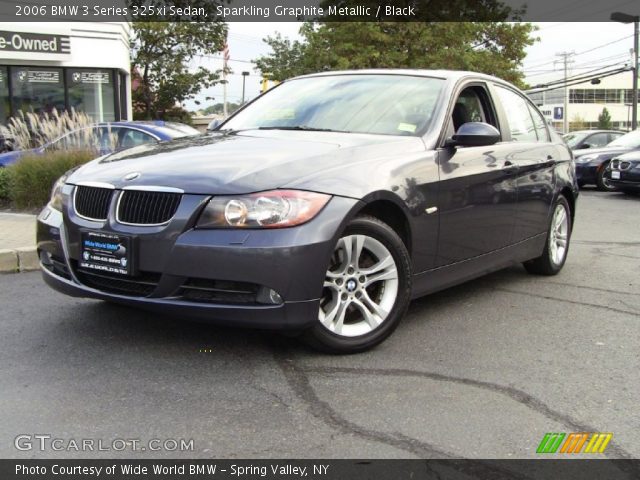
366, 289
602, 181
557, 246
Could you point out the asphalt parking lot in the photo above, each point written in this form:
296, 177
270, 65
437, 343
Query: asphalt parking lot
482, 370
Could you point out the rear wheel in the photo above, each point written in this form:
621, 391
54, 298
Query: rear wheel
366, 290
557, 246
602, 181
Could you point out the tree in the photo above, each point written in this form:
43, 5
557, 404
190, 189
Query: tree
161, 53
495, 48
604, 120
218, 108
577, 123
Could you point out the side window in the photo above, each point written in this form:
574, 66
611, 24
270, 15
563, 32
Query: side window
132, 138
539, 124
614, 136
472, 105
518, 115
597, 140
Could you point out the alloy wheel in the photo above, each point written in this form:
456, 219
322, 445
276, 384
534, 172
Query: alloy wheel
360, 287
559, 235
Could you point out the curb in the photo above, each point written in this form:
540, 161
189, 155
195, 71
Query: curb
24, 259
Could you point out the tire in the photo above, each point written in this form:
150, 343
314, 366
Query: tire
363, 299
602, 182
555, 250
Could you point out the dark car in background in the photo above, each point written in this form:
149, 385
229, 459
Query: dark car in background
322, 208
583, 139
591, 164
109, 136
623, 172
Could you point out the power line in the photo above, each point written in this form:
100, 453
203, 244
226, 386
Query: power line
529, 67
601, 75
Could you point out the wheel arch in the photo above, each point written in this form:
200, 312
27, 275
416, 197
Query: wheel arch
392, 211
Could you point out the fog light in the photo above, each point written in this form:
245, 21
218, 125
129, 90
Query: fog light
269, 296
45, 258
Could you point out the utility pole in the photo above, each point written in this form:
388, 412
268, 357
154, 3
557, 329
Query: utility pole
244, 78
635, 19
566, 60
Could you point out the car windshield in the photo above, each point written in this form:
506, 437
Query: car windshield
574, 139
379, 104
628, 140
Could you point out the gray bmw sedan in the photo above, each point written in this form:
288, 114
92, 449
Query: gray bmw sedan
322, 207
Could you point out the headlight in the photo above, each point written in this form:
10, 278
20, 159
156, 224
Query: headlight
273, 209
586, 158
56, 193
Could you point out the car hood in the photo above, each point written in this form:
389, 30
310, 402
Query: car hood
633, 156
242, 162
605, 151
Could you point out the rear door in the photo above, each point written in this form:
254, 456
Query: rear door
533, 153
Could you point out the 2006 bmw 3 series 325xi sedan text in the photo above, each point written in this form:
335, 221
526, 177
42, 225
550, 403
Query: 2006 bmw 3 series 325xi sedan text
322, 208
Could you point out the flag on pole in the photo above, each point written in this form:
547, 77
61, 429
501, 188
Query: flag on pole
225, 55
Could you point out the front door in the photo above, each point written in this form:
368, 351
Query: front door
477, 195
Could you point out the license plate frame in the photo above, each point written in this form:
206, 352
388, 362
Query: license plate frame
615, 175
107, 252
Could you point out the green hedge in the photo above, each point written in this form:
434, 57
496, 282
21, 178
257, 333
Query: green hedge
5, 183
32, 177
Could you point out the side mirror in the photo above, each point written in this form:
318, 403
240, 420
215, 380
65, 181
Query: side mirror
475, 134
213, 125
585, 145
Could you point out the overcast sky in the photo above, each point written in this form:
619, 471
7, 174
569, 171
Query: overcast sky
595, 44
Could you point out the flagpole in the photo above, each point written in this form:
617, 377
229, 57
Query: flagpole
225, 59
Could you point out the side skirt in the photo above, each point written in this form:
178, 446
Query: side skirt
447, 276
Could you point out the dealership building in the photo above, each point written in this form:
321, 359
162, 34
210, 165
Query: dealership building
84, 66
586, 102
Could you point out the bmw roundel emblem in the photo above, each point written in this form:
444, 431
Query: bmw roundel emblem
131, 176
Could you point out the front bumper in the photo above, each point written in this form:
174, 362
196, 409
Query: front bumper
289, 261
587, 172
629, 179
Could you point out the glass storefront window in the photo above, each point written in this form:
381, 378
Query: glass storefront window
5, 110
37, 89
92, 91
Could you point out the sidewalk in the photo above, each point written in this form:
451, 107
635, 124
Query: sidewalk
17, 242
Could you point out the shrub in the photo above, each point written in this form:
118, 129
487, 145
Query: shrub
31, 130
5, 183
33, 176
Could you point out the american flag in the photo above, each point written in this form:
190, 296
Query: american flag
225, 55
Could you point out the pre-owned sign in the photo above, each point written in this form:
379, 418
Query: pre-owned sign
34, 42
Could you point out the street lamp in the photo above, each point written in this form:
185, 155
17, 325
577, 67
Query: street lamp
635, 19
244, 78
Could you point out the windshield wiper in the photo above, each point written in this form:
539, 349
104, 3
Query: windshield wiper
300, 127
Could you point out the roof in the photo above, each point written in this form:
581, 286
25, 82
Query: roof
452, 75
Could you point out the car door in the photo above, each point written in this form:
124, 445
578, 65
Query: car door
477, 190
534, 155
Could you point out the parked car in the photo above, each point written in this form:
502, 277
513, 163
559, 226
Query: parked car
125, 134
322, 208
623, 172
591, 164
583, 139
